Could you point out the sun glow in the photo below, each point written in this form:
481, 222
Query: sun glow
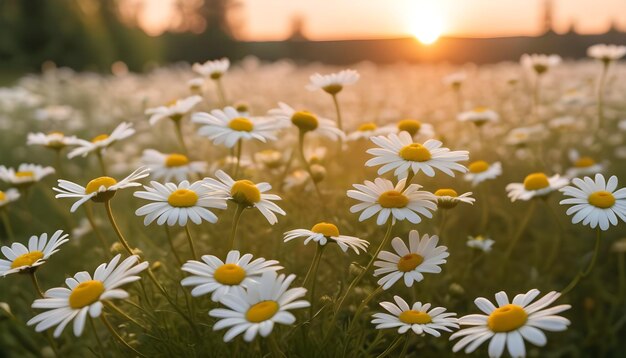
425, 22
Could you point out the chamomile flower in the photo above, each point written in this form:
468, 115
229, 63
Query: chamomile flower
480, 171
382, 198
213, 69
195, 85
9, 196
174, 111
246, 193
524, 135
219, 277
479, 116
102, 141
415, 127
334, 82
25, 175
449, 198
455, 80
269, 158
52, 140
596, 202
370, 129
39, 249
307, 121
171, 166
410, 263
511, 323
399, 152
419, 318
266, 301
582, 165
535, 185
227, 126
100, 189
606, 53
175, 204
539, 63
324, 232
85, 295
480, 242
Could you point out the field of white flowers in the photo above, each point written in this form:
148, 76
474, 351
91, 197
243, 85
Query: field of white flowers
263, 209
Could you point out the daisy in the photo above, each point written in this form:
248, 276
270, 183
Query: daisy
269, 158
367, 130
214, 69
596, 202
298, 178
52, 140
102, 141
324, 232
227, 126
85, 295
21, 258
606, 53
195, 85
415, 127
220, 278
171, 166
255, 311
480, 242
479, 116
307, 121
100, 190
334, 82
246, 193
25, 175
410, 263
174, 111
449, 198
511, 323
400, 153
8, 196
535, 185
582, 165
455, 80
480, 171
398, 202
540, 63
523, 135
174, 204
419, 318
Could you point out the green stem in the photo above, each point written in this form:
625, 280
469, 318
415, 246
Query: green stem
605, 70
116, 228
7, 224
336, 102
33, 278
118, 337
124, 315
191, 245
172, 247
405, 346
520, 230
94, 227
361, 307
306, 165
312, 272
58, 162
233, 229
220, 92
536, 97
484, 196
103, 167
238, 158
583, 273
95, 333
180, 136
559, 238
275, 348
393, 346
442, 223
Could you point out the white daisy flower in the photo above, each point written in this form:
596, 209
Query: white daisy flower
299, 179
480, 242
606, 53
99, 190
410, 263
213, 69
449, 198
39, 249
540, 63
480, 171
245, 192
52, 140
400, 153
85, 295
595, 202
524, 135
419, 318
368, 130
166, 167
175, 204
398, 202
9, 196
25, 175
269, 158
582, 165
102, 141
334, 82
227, 126
307, 121
175, 110
455, 80
511, 323
195, 85
535, 185
479, 116
220, 278
265, 302
415, 127
324, 232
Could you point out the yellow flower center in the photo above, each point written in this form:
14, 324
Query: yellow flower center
24, 174
241, 124
245, 192
539, 68
26, 259
304, 120
410, 125
326, 229
392, 199
99, 138
86, 293
262, 311
333, 89
95, 184
446, 192
507, 318
415, 317
3, 196
183, 198
481, 109
409, 262
229, 274
584, 162
601, 199
176, 160
216, 75
536, 181
241, 107
415, 152
366, 127
56, 133
478, 166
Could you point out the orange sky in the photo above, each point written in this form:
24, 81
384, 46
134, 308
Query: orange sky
338, 19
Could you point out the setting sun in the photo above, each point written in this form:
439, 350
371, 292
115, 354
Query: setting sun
425, 22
